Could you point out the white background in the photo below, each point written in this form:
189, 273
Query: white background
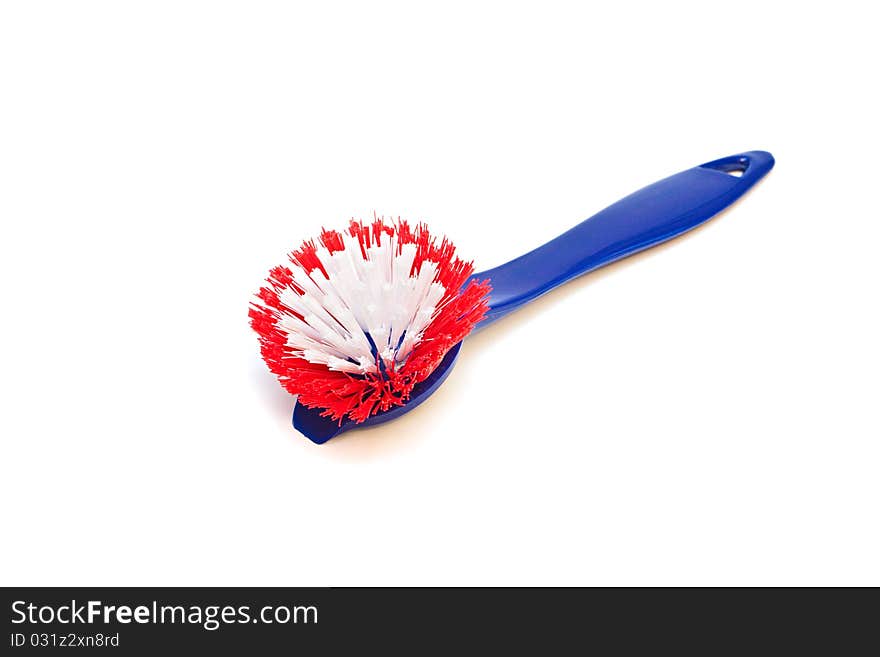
704, 413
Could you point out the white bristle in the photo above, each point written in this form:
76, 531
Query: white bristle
374, 296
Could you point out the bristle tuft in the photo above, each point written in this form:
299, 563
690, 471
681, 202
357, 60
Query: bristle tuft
365, 314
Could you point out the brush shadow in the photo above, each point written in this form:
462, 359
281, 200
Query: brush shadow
374, 442
544, 302
358, 445
278, 401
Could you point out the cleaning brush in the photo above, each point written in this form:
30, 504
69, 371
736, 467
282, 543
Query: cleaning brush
365, 323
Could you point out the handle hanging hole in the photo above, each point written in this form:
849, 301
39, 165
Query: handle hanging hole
732, 166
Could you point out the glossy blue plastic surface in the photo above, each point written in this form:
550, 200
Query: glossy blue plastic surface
652, 215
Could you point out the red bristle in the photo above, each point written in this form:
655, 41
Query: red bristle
306, 257
332, 240
280, 277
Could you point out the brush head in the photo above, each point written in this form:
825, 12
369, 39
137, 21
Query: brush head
360, 316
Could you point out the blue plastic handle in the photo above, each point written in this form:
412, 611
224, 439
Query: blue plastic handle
652, 215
